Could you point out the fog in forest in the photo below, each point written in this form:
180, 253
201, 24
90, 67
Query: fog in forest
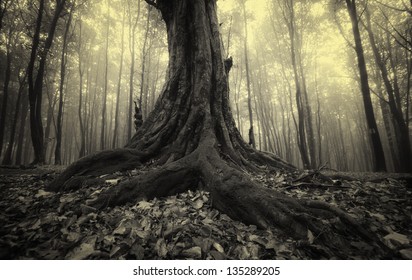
296, 76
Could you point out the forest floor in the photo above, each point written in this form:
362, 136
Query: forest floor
36, 224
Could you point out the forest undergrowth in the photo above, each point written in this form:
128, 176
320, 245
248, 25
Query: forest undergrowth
37, 224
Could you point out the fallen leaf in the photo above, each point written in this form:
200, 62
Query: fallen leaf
395, 239
108, 240
121, 228
112, 182
161, 248
406, 253
137, 251
119, 251
87, 209
242, 253
253, 250
84, 250
311, 238
198, 204
272, 244
217, 255
73, 236
193, 253
42, 193
378, 216
144, 205
218, 247
36, 225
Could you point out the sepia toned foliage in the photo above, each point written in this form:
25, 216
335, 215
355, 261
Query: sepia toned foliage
314, 85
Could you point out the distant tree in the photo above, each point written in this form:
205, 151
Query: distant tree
133, 21
7, 160
105, 89
82, 151
292, 14
252, 141
119, 84
6, 87
63, 66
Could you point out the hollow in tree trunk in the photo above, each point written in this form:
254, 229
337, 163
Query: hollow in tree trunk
190, 141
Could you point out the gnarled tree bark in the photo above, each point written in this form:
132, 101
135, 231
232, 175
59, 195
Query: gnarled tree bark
190, 141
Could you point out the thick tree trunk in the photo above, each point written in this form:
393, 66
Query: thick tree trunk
191, 140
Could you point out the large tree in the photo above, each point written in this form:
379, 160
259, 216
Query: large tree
190, 141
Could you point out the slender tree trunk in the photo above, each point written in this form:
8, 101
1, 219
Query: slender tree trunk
388, 123
378, 155
318, 122
116, 116
308, 120
408, 86
249, 98
94, 111
63, 64
7, 160
50, 119
28, 153
104, 107
143, 61
132, 43
22, 126
300, 104
238, 84
5, 89
82, 151
343, 153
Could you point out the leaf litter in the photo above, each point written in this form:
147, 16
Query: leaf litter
37, 224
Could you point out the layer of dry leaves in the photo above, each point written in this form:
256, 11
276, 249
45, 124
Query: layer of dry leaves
36, 224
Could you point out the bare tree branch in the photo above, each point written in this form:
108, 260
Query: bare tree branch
406, 9
408, 43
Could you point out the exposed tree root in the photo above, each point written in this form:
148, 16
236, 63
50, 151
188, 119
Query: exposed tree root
162, 181
232, 192
89, 167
